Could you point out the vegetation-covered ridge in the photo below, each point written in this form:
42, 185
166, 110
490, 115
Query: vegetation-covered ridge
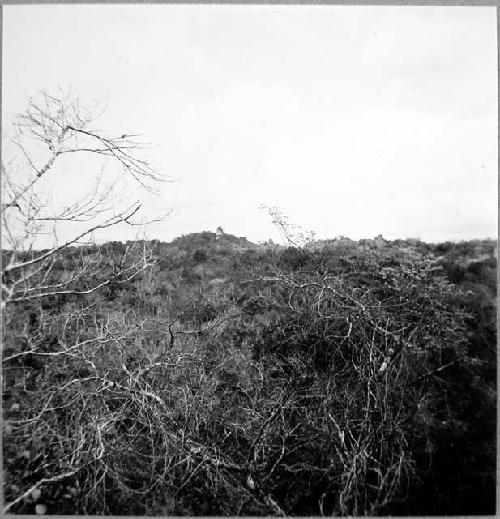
231, 378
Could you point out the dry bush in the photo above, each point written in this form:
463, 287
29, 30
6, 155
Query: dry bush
52, 329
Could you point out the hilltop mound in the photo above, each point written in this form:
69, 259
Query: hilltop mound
209, 239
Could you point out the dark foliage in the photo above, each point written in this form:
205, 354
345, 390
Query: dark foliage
345, 378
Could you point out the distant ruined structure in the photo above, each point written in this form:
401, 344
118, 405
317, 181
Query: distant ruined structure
379, 241
219, 233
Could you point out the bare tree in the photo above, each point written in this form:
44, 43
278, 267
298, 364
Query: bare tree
51, 128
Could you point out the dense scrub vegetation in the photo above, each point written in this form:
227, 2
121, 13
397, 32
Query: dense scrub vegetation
341, 377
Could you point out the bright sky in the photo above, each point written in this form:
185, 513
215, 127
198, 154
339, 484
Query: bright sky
354, 121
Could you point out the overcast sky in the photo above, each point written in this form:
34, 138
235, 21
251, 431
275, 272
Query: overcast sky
354, 121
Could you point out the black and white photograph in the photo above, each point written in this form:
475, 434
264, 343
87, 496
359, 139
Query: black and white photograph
249, 259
